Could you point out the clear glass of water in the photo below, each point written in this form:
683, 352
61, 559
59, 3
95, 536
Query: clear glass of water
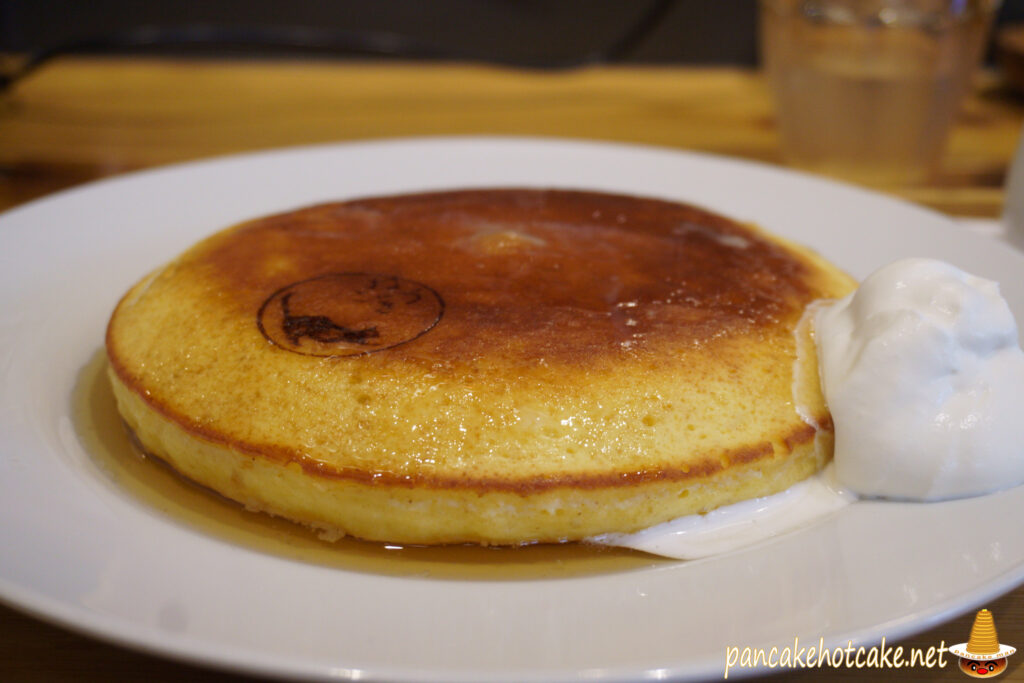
867, 90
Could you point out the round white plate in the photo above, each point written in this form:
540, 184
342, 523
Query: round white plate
74, 551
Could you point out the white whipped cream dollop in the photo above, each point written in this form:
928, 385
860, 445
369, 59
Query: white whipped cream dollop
924, 376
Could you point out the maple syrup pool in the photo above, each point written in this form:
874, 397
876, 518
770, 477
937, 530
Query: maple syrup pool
149, 482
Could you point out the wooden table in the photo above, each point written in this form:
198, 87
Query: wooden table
80, 119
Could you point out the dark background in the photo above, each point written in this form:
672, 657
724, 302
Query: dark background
541, 33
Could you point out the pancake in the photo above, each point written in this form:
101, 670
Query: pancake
481, 366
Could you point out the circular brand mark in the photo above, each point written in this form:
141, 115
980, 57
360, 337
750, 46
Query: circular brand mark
349, 314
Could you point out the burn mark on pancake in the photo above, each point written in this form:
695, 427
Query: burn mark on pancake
320, 328
348, 314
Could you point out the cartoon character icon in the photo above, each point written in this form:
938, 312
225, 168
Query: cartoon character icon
982, 656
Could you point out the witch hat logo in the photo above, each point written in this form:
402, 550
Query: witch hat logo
982, 656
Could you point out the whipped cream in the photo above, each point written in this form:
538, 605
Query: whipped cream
739, 525
923, 374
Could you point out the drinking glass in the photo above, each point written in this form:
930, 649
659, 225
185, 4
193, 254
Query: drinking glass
867, 90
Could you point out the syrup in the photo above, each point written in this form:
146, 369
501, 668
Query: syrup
149, 482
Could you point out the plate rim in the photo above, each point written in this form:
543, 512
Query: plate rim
180, 648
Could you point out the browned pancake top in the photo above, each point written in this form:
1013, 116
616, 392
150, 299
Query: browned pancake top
510, 339
556, 275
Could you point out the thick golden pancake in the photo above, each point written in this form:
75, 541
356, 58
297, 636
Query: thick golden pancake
487, 366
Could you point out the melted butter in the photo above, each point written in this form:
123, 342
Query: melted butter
150, 483
501, 241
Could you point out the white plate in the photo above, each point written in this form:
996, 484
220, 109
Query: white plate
74, 551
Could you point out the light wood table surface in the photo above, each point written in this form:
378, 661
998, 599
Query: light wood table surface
79, 119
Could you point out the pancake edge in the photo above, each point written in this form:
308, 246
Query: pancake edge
428, 510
